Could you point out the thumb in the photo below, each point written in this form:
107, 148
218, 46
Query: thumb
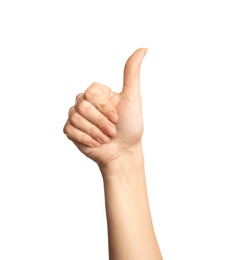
131, 84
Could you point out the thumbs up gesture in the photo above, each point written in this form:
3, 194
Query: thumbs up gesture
105, 125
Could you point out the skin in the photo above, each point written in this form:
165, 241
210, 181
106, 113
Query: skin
107, 127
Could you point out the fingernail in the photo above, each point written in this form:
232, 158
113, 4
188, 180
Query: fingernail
110, 130
94, 143
113, 117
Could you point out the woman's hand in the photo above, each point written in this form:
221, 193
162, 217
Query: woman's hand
105, 125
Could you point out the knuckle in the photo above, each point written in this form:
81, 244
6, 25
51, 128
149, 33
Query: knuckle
74, 118
83, 107
91, 92
78, 96
66, 129
94, 83
71, 111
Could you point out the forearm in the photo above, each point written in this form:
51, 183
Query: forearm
130, 231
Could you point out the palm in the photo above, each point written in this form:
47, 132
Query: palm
130, 125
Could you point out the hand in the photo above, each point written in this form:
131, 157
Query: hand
105, 125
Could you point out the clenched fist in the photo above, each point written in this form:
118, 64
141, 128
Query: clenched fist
105, 125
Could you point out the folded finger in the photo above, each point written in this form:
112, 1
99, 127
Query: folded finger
94, 116
98, 95
79, 136
87, 127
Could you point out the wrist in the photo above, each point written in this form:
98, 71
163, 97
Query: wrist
129, 163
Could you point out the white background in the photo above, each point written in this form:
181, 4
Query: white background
51, 196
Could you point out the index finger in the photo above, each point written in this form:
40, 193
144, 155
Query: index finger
98, 95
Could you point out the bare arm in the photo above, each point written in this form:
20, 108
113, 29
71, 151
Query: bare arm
107, 127
130, 231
